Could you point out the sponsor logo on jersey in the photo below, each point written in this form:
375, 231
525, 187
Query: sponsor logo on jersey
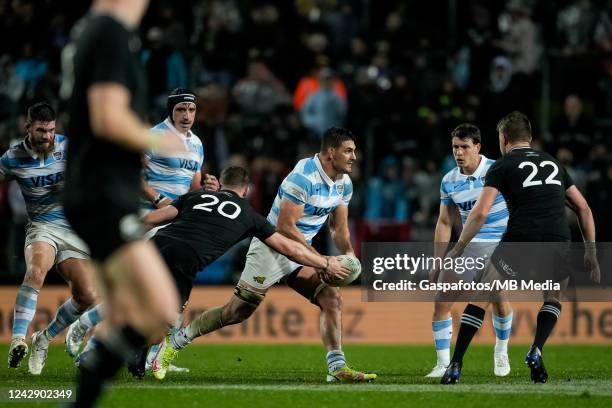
506, 268
189, 164
340, 188
320, 212
47, 180
466, 206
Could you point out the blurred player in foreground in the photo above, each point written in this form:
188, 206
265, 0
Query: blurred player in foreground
104, 79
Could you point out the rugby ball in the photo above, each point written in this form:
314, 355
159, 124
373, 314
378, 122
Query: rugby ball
351, 263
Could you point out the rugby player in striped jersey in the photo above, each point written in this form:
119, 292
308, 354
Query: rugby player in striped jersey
37, 164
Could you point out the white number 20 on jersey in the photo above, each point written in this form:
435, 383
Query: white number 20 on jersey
529, 181
209, 206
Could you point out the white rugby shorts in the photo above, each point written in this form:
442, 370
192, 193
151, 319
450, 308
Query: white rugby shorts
264, 266
66, 243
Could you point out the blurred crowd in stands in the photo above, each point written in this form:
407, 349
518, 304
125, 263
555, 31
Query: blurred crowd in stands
272, 75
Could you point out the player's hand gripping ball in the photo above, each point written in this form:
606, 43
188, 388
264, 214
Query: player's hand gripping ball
352, 263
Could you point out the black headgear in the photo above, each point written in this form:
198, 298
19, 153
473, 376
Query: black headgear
179, 95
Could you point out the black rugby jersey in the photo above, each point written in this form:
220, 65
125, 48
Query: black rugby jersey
211, 222
102, 50
534, 185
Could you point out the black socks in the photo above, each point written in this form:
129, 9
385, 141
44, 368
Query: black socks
547, 319
471, 320
104, 361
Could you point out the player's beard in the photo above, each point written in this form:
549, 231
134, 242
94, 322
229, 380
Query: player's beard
39, 148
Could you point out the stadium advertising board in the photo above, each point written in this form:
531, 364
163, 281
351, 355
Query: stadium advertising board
284, 317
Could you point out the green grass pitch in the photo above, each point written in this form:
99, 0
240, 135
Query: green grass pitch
294, 376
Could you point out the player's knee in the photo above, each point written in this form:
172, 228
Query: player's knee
329, 299
242, 306
248, 296
84, 296
35, 276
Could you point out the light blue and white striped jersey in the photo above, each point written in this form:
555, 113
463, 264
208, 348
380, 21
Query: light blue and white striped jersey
172, 176
308, 185
41, 180
463, 191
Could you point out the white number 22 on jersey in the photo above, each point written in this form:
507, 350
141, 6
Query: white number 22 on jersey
529, 181
208, 206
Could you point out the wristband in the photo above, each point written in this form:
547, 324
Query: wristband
590, 248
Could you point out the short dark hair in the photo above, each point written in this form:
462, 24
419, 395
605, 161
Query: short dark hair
335, 136
467, 131
516, 127
234, 176
42, 112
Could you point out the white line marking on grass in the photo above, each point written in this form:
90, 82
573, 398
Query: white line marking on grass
595, 388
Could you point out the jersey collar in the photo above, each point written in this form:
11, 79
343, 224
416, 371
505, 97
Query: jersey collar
479, 170
519, 148
324, 175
